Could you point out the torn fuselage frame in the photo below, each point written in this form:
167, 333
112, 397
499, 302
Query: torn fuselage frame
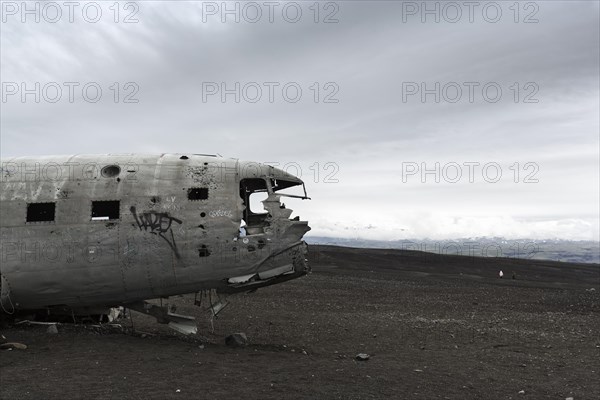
272, 230
260, 222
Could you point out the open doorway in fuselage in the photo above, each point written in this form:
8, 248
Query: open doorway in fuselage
253, 192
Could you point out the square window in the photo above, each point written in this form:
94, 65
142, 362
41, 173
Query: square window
105, 210
197, 193
40, 212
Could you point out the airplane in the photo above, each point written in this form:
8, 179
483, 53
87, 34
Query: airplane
83, 234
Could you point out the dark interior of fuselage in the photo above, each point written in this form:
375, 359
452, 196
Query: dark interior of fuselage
255, 221
256, 218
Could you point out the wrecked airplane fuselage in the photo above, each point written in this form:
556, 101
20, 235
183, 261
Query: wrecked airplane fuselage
89, 231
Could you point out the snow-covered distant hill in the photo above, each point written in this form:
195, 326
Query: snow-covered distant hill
550, 249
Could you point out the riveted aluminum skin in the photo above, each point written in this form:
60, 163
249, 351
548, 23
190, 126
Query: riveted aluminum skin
133, 227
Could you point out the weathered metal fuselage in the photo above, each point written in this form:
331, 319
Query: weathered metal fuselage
82, 231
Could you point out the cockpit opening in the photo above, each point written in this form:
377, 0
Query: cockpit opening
254, 215
255, 193
289, 188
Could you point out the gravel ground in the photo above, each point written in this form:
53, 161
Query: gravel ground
435, 327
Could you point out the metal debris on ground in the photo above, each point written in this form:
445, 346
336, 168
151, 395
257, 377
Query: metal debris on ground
12, 345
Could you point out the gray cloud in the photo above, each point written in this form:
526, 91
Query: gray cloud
368, 134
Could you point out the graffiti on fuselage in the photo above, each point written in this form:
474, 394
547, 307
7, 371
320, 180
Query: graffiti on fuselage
221, 213
158, 223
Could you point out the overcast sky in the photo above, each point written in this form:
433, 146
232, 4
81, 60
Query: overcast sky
362, 119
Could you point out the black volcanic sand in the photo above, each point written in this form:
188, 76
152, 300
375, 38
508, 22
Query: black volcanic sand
436, 327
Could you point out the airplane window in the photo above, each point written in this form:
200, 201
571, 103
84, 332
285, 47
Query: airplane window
110, 171
203, 251
197, 193
253, 191
256, 202
40, 212
105, 210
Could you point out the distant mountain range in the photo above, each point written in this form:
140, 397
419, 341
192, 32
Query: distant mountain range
549, 249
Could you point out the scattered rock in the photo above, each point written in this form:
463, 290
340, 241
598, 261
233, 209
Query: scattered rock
521, 392
569, 398
52, 329
420, 370
12, 345
236, 340
362, 357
